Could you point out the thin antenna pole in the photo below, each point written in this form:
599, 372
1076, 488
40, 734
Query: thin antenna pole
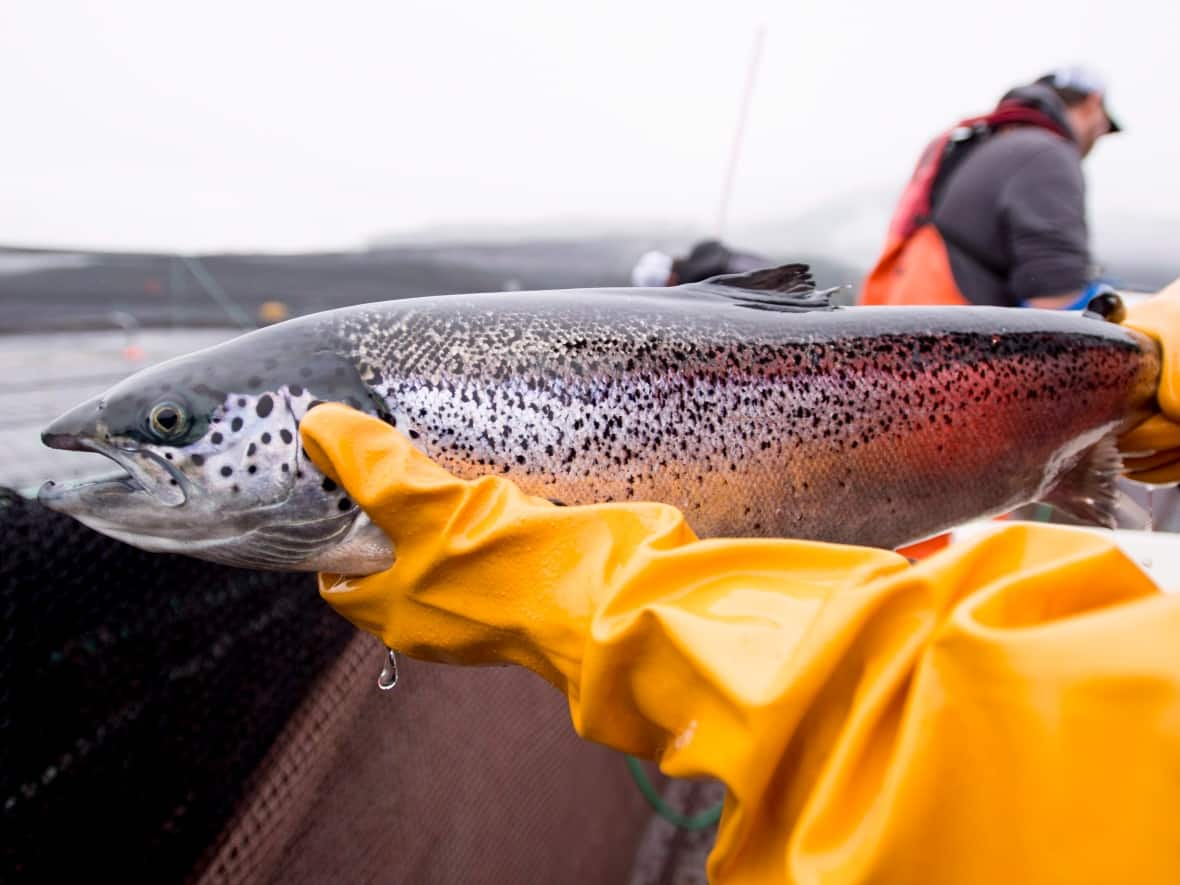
213, 290
740, 131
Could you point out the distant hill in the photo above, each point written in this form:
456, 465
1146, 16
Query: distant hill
43, 290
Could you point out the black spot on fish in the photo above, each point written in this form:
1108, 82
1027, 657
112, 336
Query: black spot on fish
328, 485
251, 449
265, 406
286, 435
241, 402
252, 469
235, 488
286, 468
227, 471
414, 434
211, 392
216, 439
173, 482
236, 425
344, 504
295, 390
520, 459
198, 460
168, 455
265, 438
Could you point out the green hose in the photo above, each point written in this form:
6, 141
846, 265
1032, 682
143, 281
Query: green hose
701, 821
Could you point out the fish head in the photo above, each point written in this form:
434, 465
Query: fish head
212, 466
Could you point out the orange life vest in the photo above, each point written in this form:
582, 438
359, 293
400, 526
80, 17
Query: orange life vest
914, 267
913, 270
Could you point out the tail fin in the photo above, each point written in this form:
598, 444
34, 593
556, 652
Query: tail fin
1088, 491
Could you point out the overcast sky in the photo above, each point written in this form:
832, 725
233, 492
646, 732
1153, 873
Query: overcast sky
290, 126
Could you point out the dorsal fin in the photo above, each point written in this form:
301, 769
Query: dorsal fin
789, 287
784, 278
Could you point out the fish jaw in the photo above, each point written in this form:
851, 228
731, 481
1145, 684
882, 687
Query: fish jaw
120, 508
145, 472
115, 506
145, 505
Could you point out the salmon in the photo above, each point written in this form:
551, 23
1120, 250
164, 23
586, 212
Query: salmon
750, 402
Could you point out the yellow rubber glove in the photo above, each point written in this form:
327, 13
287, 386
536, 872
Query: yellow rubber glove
1006, 711
1152, 450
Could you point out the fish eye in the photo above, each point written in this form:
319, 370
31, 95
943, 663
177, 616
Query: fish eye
168, 420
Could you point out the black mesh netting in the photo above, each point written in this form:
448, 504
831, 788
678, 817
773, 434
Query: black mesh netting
137, 693
165, 718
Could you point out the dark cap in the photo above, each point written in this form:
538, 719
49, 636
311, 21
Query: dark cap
708, 258
1083, 81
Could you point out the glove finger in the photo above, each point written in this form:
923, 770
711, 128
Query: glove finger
1159, 318
1153, 435
1167, 473
1150, 462
363, 454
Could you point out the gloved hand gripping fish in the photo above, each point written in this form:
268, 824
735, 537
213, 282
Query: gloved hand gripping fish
749, 402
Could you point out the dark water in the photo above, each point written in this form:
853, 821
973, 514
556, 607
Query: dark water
139, 692
54, 291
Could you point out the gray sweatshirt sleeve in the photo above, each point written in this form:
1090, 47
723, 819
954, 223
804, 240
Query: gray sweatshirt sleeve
1043, 208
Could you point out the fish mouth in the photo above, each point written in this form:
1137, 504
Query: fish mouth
134, 477
58, 496
116, 506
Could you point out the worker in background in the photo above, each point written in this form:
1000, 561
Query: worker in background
995, 212
1005, 711
708, 258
